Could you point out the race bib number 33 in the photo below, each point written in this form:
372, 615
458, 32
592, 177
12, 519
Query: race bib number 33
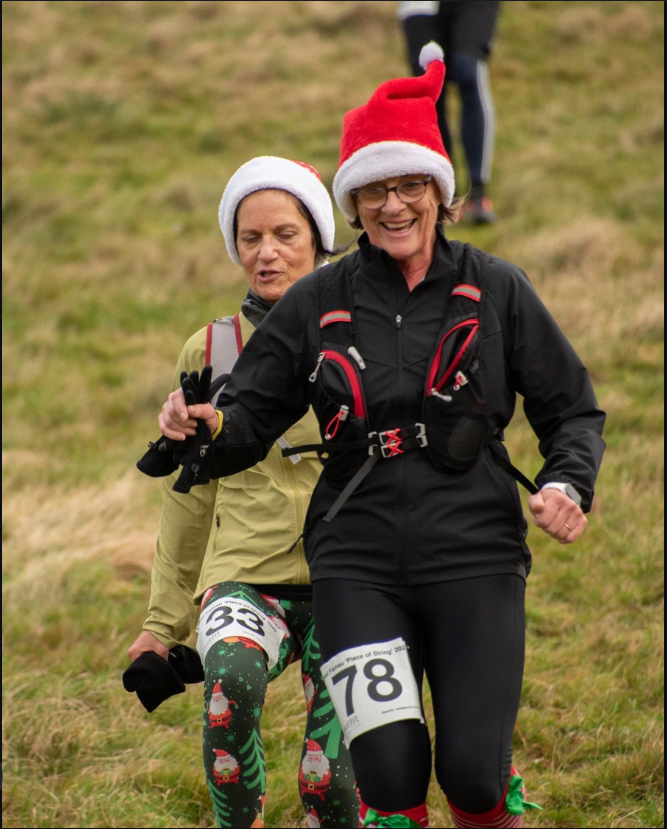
372, 685
228, 618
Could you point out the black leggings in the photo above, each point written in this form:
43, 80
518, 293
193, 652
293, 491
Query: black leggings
465, 30
469, 637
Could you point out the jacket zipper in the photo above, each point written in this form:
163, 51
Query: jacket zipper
431, 388
355, 385
293, 483
402, 565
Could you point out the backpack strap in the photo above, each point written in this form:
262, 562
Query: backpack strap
335, 308
467, 294
508, 467
223, 346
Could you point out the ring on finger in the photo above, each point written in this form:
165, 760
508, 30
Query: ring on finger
568, 527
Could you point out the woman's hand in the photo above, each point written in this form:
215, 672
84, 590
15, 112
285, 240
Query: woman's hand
557, 515
147, 642
177, 420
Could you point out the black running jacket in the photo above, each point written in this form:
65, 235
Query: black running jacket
408, 523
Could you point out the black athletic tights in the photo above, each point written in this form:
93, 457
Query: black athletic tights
469, 637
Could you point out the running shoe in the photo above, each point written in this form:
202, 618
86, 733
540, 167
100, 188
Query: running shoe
478, 210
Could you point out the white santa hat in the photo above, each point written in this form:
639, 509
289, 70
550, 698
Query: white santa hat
268, 172
396, 133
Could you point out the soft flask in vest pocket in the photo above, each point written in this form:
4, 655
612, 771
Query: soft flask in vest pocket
454, 410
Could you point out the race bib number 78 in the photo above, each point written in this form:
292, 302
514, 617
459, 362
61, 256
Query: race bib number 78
229, 617
372, 685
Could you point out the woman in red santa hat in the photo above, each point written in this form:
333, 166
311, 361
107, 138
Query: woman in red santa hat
412, 351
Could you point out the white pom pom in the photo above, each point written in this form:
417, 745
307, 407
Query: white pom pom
430, 52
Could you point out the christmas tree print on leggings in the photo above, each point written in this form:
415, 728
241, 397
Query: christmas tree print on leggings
237, 678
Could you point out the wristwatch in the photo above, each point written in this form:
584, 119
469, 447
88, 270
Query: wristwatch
568, 489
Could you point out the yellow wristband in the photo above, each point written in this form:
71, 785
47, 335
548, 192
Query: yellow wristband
219, 429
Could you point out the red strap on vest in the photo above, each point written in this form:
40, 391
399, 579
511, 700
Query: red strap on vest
209, 339
237, 329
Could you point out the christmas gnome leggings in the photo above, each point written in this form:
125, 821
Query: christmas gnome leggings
237, 676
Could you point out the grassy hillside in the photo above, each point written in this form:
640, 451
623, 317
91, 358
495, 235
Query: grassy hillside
122, 121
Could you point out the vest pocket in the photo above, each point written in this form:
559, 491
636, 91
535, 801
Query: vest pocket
455, 421
454, 409
337, 377
455, 352
338, 400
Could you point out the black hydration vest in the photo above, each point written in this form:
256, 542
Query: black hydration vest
454, 426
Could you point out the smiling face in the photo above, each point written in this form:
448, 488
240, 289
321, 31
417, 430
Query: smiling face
405, 231
274, 241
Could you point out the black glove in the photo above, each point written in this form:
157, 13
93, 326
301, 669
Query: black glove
156, 679
187, 664
195, 388
196, 461
194, 453
162, 458
198, 456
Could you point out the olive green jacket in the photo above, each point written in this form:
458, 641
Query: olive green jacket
237, 528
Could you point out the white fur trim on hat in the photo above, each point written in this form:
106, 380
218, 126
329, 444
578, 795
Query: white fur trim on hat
430, 51
269, 172
386, 159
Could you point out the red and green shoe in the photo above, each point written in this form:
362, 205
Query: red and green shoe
515, 799
508, 814
396, 821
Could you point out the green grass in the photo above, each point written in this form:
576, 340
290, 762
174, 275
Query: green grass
122, 122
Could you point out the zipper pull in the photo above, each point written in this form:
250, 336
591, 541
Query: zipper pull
313, 376
295, 543
336, 421
446, 397
358, 359
459, 380
399, 320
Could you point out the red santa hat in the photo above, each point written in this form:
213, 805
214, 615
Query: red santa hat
217, 689
220, 754
314, 748
269, 172
395, 134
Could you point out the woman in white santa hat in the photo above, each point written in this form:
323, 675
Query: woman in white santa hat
233, 546
412, 351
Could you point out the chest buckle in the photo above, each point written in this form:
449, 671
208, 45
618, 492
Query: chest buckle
394, 442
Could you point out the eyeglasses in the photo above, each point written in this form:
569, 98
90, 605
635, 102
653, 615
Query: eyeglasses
408, 192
